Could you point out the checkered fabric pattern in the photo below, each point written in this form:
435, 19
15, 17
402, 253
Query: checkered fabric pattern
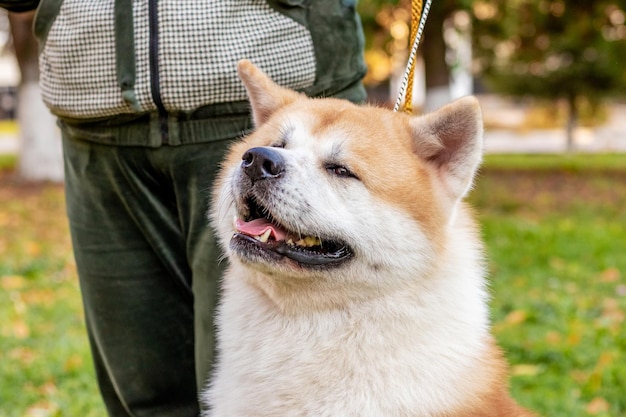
199, 45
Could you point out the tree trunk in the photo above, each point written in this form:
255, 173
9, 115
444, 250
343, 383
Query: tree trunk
40, 157
437, 73
572, 122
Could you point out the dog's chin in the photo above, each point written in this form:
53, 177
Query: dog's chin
280, 254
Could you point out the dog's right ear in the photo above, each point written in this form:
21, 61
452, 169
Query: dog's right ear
265, 96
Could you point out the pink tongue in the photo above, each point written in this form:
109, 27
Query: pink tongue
257, 227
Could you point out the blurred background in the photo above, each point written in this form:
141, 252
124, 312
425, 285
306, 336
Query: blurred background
551, 197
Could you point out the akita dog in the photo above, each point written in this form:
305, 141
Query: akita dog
356, 281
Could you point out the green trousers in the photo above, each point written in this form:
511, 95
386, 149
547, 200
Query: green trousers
148, 267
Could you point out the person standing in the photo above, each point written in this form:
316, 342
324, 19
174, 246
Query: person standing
148, 100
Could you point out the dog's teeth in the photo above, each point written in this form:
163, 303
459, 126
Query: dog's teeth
311, 241
265, 236
235, 222
306, 241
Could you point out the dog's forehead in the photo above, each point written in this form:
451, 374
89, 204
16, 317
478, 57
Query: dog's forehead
333, 130
376, 145
302, 131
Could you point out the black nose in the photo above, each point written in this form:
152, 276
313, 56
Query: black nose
262, 163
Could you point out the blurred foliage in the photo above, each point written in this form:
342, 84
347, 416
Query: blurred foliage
542, 48
567, 54
387, 26
385, 23
549, 115
551, 49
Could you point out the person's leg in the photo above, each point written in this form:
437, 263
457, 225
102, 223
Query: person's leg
131, 256
194, 168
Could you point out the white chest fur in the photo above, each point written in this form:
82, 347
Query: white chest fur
407, 354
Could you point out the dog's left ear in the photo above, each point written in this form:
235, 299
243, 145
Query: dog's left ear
265, 96
450, 139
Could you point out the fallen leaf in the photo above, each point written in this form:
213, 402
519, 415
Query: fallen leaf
21, 330
606, 358
32, 248
42, 409
49, 388
575, 334
579, 376
525, 370
597, 405
26, 356
18, 302
44, 296
553, 337
611, 311
12, 282
610, 275
516, 317
574, 339
73, 363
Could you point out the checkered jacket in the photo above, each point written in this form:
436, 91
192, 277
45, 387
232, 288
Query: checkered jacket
113, 57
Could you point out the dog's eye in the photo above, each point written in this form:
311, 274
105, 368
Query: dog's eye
279, 144
340, 171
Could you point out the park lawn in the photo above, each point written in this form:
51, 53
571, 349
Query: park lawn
555, 229
45, 368
555, 232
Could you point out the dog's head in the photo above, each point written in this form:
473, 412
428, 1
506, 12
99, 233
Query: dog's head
330, 192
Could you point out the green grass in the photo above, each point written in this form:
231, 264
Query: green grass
555, 232
45, 367
555, 229
575, 162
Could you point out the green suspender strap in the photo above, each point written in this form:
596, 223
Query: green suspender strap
125, 52
46, 14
